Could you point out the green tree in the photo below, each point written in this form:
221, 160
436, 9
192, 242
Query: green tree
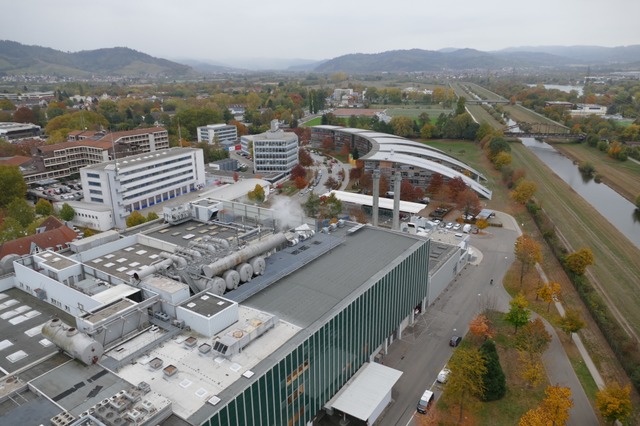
518, 315
330, 206
460, 105
20, 210
496, 145
67, 212
578, 261
135, 218
12, 184
466, 378
638, 202
614, 402
494, 381
11, 229
152, 216
312, 205
44, 207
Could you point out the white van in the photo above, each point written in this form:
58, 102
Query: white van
425, 402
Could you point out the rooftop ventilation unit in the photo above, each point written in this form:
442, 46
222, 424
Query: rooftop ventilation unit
234, 341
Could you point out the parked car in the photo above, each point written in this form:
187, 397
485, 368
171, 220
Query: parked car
449, 225
443, 376
456, 226
455, 341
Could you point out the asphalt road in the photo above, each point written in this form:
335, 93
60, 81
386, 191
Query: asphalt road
423, 349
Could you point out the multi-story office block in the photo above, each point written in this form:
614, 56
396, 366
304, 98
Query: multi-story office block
140, 181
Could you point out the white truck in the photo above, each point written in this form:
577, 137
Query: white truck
466, 228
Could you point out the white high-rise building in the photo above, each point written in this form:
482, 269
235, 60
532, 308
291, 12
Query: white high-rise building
140, 181
274, 151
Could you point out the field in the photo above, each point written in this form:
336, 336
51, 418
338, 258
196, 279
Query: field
622, 176
540, 123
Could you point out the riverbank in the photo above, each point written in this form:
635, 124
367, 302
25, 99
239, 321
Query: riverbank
621, 176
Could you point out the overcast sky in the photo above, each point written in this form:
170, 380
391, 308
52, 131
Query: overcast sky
323, 29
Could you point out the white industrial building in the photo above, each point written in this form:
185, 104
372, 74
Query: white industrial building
226, 134
143, 180
274, 151
90, 215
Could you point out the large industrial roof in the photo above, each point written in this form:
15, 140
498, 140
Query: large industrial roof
309, 293
387, 147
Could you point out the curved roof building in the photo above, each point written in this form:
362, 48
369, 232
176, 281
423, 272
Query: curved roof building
416, 161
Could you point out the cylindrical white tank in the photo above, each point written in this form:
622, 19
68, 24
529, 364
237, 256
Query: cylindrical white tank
70, 340
246, 272
217, 286
231, 278
255, 249
258, 264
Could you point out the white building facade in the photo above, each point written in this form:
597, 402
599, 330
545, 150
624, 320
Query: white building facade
143, 180
227, 134
273, 151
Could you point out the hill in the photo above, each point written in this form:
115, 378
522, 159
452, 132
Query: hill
16, 58
468, 59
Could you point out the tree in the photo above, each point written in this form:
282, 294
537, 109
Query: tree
496, 145
530, 368
534, 417
331, 183
312, 205
502, 159
330, 206
135, 219
150, 216
533, 338
614, 402
518, 315
455, 187
528, 252
523, 191
402, 126
43, 207
300, 182
494, 381
468, 202
466, 378
304, 158
572, 321
24, 115
67, 212
435, 184
578, 261
12, 184
556, 404
20, 210
257, 194
481, 326
549, 292
460, 105
298, 171
11, 229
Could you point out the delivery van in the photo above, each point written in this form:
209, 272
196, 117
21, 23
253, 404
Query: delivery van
425, 402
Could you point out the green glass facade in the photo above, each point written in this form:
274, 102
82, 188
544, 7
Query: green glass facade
297, 387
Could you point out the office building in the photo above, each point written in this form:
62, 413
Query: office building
139, 181
274, 151
224, 134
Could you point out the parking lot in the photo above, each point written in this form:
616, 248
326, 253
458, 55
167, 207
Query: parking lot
58, 192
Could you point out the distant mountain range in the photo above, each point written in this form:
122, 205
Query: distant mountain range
466, 59
16, 58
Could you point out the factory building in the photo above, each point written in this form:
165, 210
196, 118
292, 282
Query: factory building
226, 314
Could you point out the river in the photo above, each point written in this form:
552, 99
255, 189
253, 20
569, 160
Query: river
615, 208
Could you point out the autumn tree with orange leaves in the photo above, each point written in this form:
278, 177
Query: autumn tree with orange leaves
549, 292
553, 410
481, 326
528, 252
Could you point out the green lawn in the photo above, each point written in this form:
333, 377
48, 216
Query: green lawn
313, 122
